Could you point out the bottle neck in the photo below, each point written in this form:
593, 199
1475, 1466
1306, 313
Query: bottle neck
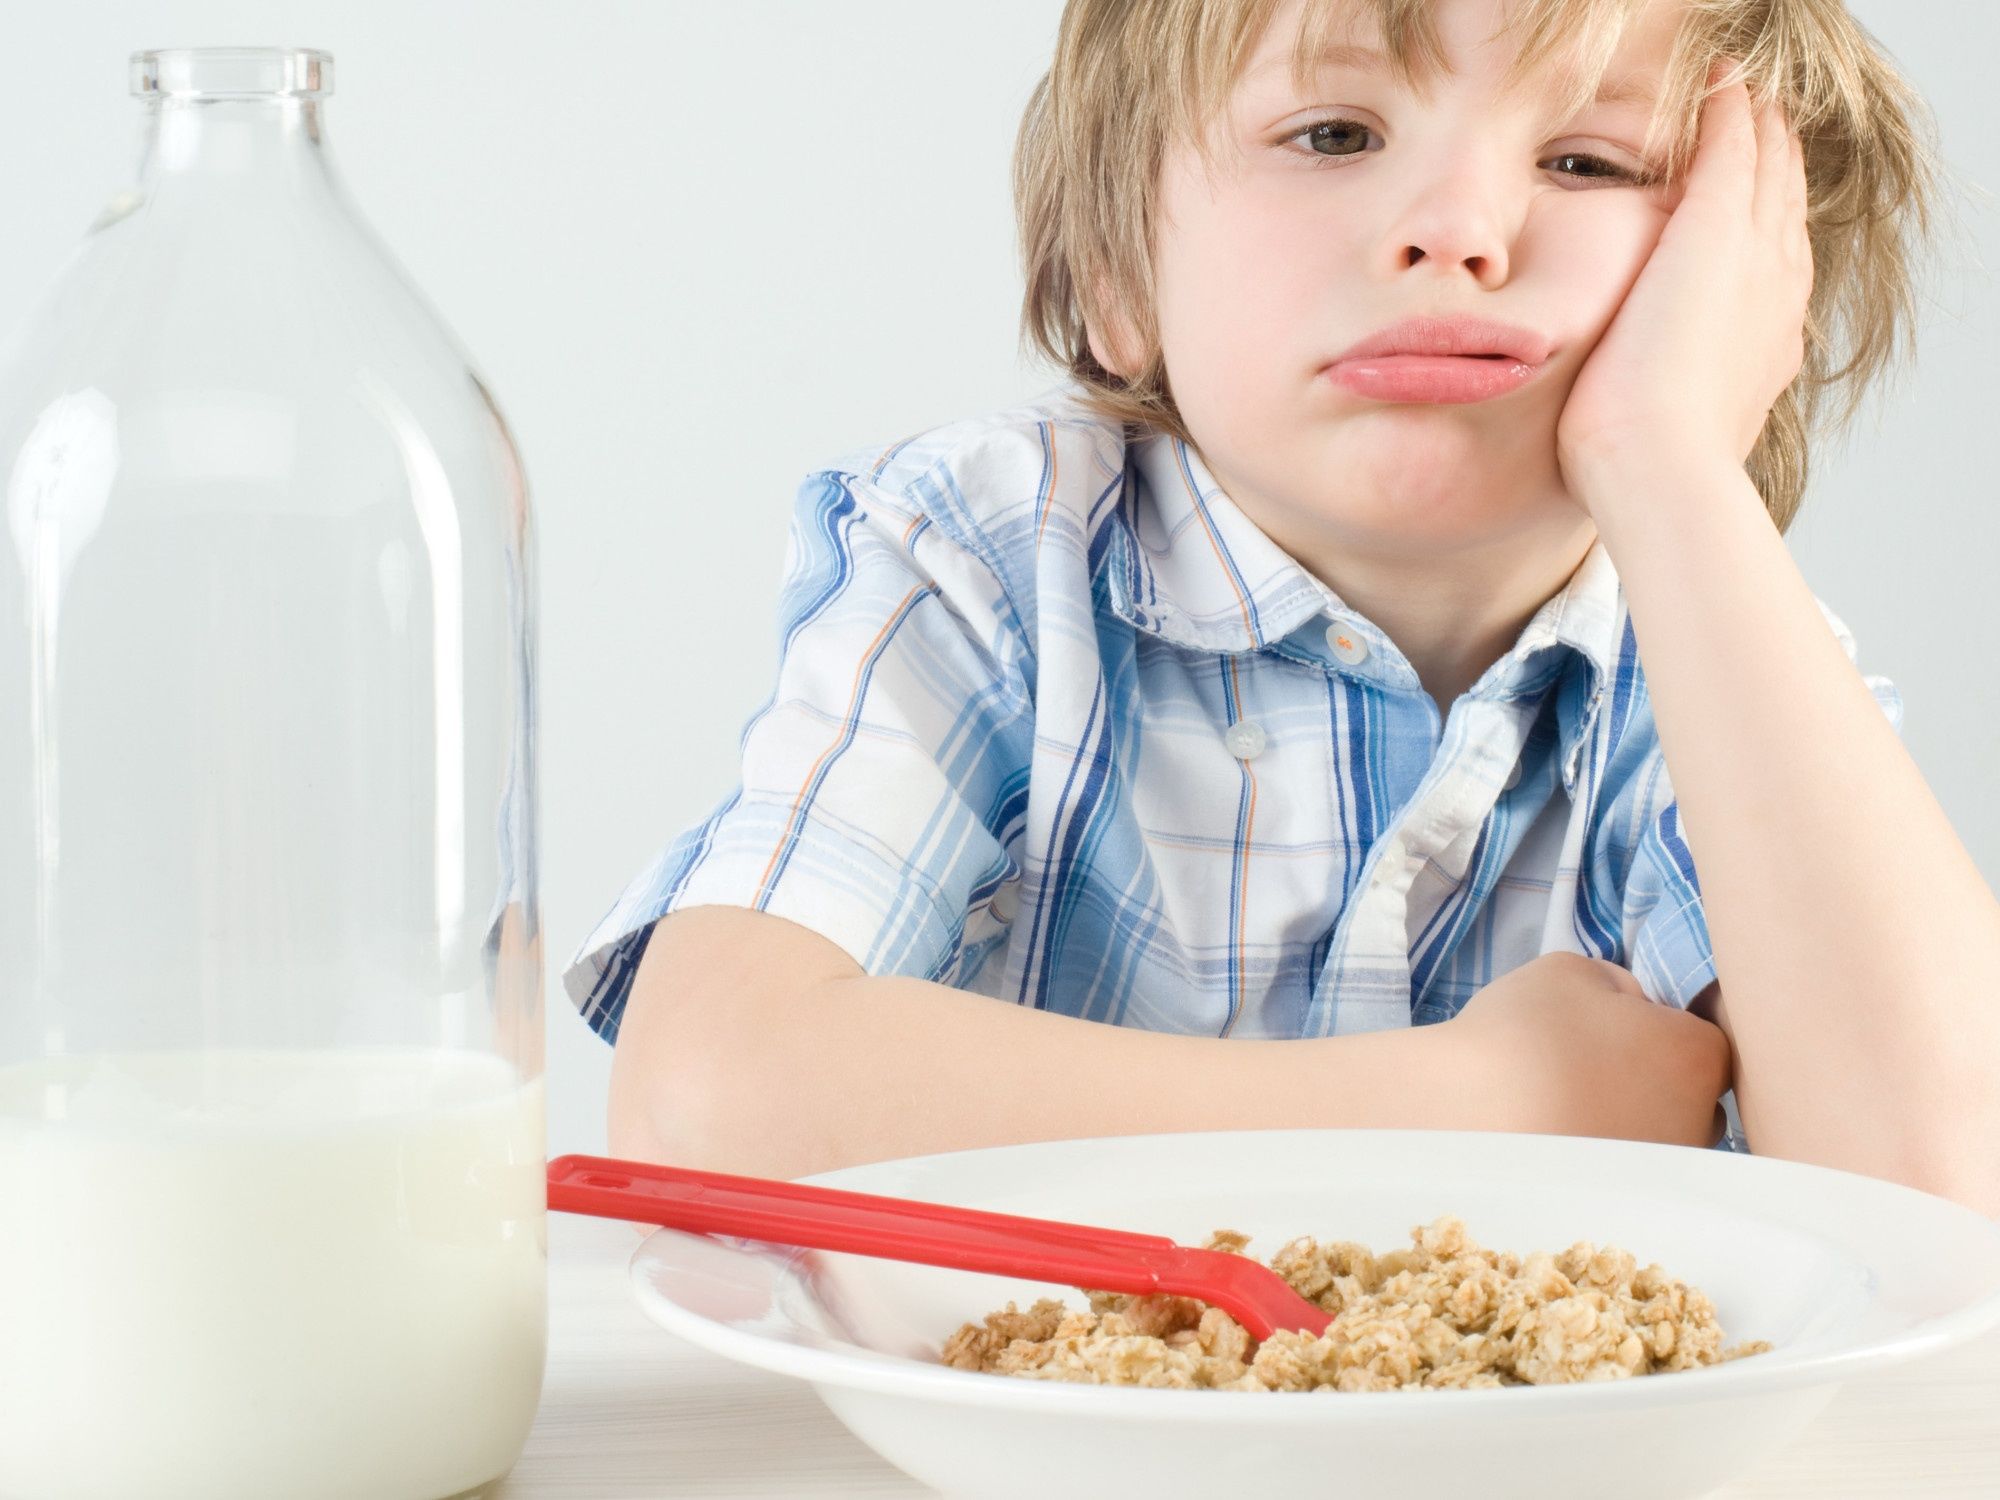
242, 120
226, 141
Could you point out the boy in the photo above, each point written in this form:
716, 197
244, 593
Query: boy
1286, 681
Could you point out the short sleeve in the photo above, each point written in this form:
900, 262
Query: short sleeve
874, 779
1665, 928
1666, 932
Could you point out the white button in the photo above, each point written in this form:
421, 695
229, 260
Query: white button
1514, 777
1346, 644
1002, 905
1245, 740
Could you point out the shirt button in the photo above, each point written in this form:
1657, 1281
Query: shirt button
1514, 777
1345, 644
1002, 905
1245, 740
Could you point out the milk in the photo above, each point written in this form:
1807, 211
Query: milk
270, 1274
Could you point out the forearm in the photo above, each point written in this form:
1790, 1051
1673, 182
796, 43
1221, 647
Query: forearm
871, 1067
1857, 946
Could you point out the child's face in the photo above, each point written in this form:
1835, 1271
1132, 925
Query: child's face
1308, 241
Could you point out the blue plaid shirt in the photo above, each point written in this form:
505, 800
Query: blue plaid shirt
1055, 722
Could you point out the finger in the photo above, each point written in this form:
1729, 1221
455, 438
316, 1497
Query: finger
1772, 192
1725, 160
1798, 203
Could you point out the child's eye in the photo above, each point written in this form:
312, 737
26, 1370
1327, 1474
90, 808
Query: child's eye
1333, 141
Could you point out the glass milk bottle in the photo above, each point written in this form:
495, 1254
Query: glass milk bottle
272, 1147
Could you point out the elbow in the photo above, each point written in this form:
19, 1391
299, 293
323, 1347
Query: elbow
642, 1123
719, 1075
656, 1110
1969, 1179
701, 1101
1954, 1158
1960, 1167
631, 1137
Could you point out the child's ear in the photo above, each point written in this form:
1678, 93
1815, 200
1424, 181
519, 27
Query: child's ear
1112, 348
1104, 358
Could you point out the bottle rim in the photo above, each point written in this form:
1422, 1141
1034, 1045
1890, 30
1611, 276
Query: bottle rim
232, 73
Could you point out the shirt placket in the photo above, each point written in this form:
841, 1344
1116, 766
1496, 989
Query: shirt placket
1365, 983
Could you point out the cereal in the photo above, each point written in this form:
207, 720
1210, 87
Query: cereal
1444, 1313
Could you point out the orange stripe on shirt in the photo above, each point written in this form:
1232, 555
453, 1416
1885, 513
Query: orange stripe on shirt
875, 469
853, 706
1215, 541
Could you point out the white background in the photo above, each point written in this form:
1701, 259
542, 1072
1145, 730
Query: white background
699, 249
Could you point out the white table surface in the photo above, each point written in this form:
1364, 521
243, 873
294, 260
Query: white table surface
630, 1410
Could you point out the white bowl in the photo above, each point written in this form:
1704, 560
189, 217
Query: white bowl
1842, 1273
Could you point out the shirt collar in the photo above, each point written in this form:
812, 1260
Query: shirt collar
1191, 568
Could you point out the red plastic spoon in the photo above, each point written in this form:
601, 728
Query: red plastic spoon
935, 1234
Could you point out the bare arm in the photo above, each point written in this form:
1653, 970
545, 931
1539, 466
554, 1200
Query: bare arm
1856, 940
751, 1044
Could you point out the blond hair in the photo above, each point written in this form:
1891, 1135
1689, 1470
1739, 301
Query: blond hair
1130, 78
